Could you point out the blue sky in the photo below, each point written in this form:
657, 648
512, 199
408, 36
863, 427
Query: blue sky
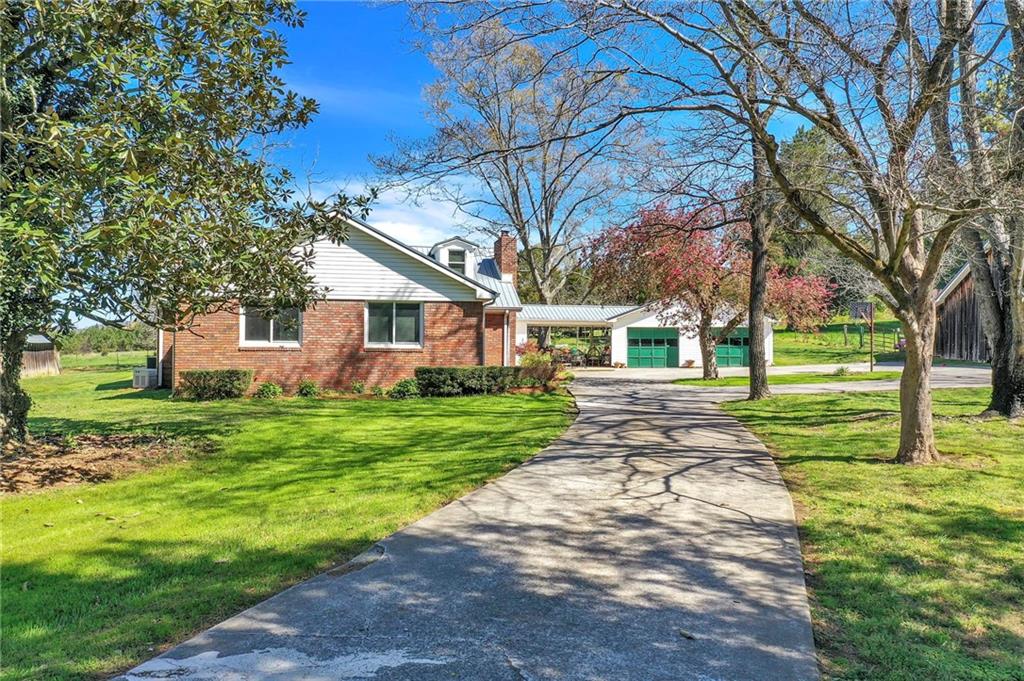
358, 61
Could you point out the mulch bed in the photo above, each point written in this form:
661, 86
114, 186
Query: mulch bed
58, 461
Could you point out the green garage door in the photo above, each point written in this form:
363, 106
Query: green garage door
652, 347
734, 351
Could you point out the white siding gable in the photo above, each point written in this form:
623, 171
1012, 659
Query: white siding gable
366, 268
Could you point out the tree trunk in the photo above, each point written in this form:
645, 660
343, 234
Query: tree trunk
1007, 386
759, 233
1005, 396
14, 402
544, 339
917, 434
1013, 397
708, 359
1013, 405
756, 307
992, 280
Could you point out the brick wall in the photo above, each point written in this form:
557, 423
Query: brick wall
494, 331
494, 338
332, 351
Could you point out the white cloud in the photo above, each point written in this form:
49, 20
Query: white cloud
368, 104
421, 223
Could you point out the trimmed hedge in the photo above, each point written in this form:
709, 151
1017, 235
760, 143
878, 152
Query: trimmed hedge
478, 380
215, 384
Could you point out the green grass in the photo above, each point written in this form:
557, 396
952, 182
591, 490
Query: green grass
127, 360
916, 572
827, 346
790, 379
98, 577
936, 362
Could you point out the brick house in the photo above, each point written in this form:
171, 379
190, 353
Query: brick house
389, 308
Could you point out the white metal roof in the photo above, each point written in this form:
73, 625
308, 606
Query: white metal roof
507, 297
574, 314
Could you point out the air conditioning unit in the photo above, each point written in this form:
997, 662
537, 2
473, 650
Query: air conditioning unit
143, 377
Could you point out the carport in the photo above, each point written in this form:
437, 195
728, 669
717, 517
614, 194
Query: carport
635, 336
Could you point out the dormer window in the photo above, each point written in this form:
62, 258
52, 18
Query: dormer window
457, 260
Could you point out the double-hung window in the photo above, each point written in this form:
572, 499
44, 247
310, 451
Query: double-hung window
394, 324
457, 260
284, 328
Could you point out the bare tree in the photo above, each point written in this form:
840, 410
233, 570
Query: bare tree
866, 77
995, 241
512, 148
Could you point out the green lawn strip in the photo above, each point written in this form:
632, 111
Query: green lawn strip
98, 577
826, 346
109, 362
936, 362
915, 572
790, 379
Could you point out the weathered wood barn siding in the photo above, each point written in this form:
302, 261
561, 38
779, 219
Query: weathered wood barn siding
960, 335
40, 358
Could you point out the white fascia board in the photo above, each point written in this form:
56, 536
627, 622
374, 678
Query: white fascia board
456, 239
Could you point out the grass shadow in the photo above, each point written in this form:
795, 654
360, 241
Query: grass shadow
115, 385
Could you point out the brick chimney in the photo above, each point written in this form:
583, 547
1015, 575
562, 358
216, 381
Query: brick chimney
506, 257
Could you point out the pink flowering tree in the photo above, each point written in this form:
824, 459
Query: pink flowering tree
695, 265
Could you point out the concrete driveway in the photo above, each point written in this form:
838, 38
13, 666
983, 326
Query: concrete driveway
654, 540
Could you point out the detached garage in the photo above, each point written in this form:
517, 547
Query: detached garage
631, 336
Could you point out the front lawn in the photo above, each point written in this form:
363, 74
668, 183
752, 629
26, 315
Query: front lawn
790, 379
915, 572
98, 577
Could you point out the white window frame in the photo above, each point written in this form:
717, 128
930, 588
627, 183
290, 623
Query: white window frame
465, 259
394, 345
245, 343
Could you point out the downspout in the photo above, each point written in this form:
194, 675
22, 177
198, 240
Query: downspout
159, 358
483, 335
504, 343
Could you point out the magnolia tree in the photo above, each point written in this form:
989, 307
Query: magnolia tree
135, 174
699, 273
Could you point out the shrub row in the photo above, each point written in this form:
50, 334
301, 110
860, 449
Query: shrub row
448, 381
215, 384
